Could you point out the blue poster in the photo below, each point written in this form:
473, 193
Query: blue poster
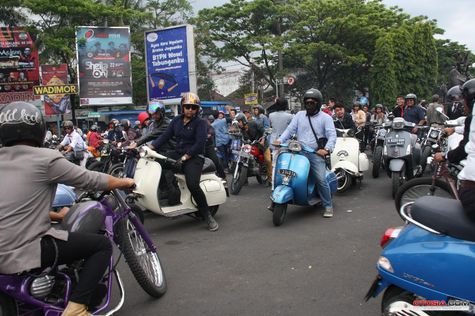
167, 61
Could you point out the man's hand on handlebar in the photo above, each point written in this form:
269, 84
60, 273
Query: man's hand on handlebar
276, 142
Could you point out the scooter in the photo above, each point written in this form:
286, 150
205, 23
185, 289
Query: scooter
148, 172
401, 153
427, 265
378, 147
292, 181
347, 162
47, 291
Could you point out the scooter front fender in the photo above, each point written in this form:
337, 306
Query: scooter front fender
396, 165
349, 167
282, 194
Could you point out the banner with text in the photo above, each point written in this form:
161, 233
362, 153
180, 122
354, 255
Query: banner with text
104, 65
55, 76
170, 58
18, 65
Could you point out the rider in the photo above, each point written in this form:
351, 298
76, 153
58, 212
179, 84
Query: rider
115, 134
412, 112
399, 109
73, 143
94, 140
315, 130
190, 132
342, 119
378, 117
158, 124
30, 175
129, 133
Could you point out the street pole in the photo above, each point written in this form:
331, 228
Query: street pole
252, 80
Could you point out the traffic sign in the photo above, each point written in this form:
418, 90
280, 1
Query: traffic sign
93, 114
290, 80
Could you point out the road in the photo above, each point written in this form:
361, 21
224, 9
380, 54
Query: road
309, 266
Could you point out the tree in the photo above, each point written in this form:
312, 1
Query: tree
449, 55
383, 74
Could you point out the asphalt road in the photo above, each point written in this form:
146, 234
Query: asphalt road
309, 266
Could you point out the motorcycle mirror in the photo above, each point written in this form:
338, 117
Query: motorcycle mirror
391, 117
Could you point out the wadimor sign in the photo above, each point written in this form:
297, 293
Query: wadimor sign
60, 89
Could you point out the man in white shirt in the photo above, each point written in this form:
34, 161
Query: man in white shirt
74, 144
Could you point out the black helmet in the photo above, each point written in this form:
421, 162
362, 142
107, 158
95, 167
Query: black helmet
21, 121
313, 94
68, 124
125, 123
454, 93
241, 117
468, 92
411, 96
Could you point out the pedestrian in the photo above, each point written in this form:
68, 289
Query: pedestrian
222, 140
432, 114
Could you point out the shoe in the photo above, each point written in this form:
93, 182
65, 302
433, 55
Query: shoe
212, 224
328, 212
75, 309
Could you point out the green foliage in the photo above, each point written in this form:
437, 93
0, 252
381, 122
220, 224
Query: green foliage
383, 73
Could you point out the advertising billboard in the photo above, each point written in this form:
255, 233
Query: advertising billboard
19, 65
170, 62
104, 69
59, 103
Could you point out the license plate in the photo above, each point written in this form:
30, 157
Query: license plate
396, 141
287, 173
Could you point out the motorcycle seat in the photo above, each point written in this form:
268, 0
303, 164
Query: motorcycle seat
445, 216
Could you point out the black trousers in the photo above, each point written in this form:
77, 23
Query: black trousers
467, 197
192, 170
95, 249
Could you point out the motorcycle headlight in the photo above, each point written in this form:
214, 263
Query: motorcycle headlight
434, 134
246, 148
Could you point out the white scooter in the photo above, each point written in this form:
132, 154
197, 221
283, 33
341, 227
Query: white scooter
347, 161
147, 178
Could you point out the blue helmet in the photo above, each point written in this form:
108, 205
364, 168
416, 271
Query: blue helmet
155, 106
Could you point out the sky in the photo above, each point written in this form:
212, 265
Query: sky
454, 16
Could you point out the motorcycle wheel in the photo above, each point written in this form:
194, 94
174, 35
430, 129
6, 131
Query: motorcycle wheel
377, 156
238, 182
262, 176
117, 170
418, 187
143, 262
426, 152
8, 306
95, 166
393, 298
344, 180
396, 180
279, 213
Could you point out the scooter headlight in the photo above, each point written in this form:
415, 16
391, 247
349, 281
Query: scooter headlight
385, 264
295, 146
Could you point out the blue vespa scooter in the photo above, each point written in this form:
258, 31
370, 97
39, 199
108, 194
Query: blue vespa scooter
428, 265
292, 183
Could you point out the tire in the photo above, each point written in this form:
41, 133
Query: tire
262, 176
419, 187
343, 180
130, 243
8, 306
396, 180
391, 297
426, 152
116, 170
377, 156
96, 166
279, 214
238, 183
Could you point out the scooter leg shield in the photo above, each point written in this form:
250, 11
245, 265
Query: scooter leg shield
395, 165
282, 194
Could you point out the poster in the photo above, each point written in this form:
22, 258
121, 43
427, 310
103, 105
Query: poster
55, 76
104, 65
18, 65
250, 99
170, 62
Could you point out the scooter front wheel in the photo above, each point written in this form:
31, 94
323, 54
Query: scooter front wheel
396, 300
344, 180
279, 214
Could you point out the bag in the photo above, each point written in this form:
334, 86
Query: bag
321, 143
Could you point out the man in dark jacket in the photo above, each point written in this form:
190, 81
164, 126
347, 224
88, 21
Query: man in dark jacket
159, 123
342, 119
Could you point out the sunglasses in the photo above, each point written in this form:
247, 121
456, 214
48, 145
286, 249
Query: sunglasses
194, 107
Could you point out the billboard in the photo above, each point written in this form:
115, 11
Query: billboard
104, 69
19, 65
170, 62
58, 103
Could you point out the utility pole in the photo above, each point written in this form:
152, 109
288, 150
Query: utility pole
252, 80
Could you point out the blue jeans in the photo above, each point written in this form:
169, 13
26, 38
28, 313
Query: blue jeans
223, 153
317, 170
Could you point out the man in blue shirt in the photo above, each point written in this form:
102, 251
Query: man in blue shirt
303, 125
412, 112
190, 133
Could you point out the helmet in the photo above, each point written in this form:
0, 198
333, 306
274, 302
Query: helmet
68, 124
125, 123
313, 94
190, 98
94, 127
156, 106
211, 118
411, 96
21, 121
379, 105
241, 117
114, 123
260, 108
454, 93
143, 116
468, 92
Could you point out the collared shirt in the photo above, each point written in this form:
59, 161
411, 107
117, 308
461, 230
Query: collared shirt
322, 124
75, 141
221, 132
28, 185
190, 137
468, 172
414, 114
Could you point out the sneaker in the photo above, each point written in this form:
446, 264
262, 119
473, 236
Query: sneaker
328, 212
212, 224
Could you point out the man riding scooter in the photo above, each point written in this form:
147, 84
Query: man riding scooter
315, 130
73, 145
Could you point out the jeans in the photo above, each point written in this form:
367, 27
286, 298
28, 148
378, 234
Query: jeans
318, 170
97, 251
223, 152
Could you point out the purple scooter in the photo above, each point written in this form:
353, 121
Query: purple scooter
46, 292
